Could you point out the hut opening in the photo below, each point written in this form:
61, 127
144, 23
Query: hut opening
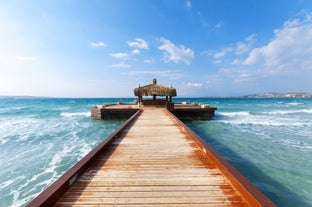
153, 90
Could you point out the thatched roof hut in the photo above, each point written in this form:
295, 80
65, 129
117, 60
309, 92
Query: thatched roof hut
155, 89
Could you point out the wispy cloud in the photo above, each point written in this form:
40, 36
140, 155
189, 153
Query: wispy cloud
223, 52
121, 65
136, 51
235, 51
97, 44
138, 43
243, 47
120, 55
219, 25
194, 85
202, 20
174, 53
149, 61
188, 4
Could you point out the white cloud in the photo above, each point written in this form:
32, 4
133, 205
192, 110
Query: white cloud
238, 49
237, 61
283, 64
223, 52
98, 44
120, 55
194, 85
136, 51
241, 48
139, 43
290, 49
188, 4
174, 53
121, 65
245, 46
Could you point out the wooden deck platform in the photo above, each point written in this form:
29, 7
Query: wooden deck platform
182, 111
153, 161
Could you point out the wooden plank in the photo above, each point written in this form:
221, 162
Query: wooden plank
144, 194
167, 188
152, 163
151, 200
153, 205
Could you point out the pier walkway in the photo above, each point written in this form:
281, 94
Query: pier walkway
153, 163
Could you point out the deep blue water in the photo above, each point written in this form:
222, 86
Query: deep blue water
267, 140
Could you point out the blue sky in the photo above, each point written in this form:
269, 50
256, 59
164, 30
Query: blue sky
70, 48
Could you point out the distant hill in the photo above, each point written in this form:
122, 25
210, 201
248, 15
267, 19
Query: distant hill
280, 95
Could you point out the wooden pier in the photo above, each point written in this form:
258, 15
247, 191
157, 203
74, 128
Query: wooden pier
152, 160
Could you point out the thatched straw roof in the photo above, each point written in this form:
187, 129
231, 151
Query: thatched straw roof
155, 89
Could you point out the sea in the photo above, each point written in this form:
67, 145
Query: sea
268, 140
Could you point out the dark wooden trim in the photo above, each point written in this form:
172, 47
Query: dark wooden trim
111, 113
154, 102
253, 196
49, 196
194, 113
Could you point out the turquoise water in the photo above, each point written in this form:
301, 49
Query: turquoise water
267, 140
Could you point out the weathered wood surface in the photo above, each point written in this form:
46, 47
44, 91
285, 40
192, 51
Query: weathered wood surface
153, 164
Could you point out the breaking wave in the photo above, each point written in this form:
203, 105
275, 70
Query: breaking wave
264, 118
76, 114
285, 112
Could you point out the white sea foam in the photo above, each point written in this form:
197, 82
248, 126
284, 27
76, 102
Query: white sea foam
20, 128
17, 201
264, 119
77, 114
234, 114
84, 149
7, 183
295, 103
57, 158
12, 109
265, 122
285, 112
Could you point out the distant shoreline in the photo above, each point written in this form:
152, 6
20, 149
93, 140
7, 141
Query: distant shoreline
280, 95
269, 95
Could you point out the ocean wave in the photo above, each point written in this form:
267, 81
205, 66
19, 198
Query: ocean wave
21, 128
76, 114
12, 109
304, 146
61, 108
268, 122
285, 112
295, 104
262, 118
233, 114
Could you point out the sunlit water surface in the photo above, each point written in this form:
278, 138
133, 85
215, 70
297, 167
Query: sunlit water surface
267, 140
